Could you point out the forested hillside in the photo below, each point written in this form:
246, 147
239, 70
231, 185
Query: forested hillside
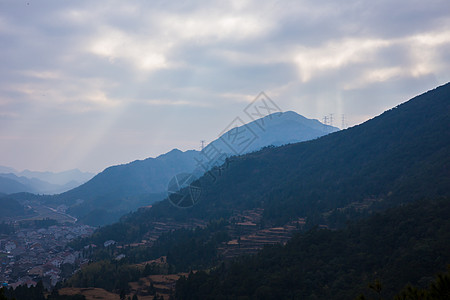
398, 157
10, 207
408, 244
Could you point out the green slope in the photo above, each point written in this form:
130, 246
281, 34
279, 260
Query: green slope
405, 245
10, 207
397, 157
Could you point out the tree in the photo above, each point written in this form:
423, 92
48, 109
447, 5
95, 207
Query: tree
377, 287
2, 295
151, 289
122, 295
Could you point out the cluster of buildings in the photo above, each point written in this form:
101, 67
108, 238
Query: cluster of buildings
33, 254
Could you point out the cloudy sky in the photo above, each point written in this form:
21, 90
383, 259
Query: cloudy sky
88, 84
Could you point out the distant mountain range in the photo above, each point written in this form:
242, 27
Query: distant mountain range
4, 169
123, 188
12, 181
9, 185
59, 178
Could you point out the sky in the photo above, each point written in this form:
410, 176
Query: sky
89, 84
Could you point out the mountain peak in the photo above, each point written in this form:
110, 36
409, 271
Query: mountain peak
276, 129
175, 152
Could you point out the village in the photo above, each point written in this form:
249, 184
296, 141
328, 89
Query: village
41, 253
32, 254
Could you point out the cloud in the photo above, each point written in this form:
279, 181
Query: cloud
336, 55
83, 75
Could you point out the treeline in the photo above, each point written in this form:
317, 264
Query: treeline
184, 249
37, 292
6, 228
115, 276
10, 207
122, 232
109, 275
405, 245
44, 223
437, 290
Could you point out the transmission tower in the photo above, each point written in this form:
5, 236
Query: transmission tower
203, 144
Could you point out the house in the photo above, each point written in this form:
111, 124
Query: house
109, 243
9, 246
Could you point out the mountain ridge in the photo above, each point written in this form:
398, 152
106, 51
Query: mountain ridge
142, 182
397, 157
276, 129
41, 182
